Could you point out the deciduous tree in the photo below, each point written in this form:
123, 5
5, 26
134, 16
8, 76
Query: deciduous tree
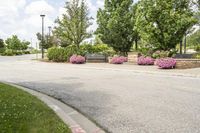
163, 23
72, 28
2, 45
116, 24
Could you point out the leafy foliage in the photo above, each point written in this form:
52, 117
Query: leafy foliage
116, 24
48, 41
7, 52
196, 56
63, 54
58, 54
194, 39
72, 28
15, 44
97, 49
164, 23
2, 45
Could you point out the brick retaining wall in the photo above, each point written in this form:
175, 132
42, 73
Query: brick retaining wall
187, 63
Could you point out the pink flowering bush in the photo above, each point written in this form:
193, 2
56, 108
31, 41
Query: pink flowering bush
125, 59
145, 60
77, 59
117, 60
166, 63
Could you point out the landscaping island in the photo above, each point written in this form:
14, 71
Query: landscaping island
24, 113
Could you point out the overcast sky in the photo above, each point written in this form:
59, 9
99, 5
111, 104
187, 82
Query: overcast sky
22, 17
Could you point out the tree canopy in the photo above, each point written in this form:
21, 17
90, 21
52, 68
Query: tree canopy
163, 23
194, 39
116, 24
48, 41
72, 28
15, 43
2, 45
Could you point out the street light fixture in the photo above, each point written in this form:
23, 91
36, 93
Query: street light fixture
42, 16
49, 30
49, 35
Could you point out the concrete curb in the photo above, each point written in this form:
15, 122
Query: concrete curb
76, 121
137, 71
143, 71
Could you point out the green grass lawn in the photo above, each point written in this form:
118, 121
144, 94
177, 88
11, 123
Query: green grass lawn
21, 112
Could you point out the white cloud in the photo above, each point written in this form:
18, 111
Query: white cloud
20, 32
22, 17
100, 3
10, 8
39, 7
61, 11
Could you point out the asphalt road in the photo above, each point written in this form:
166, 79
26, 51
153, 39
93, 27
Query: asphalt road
119, 101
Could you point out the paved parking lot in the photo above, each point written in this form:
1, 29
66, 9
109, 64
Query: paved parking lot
118, 99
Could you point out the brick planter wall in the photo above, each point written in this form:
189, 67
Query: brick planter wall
187, 63
132, 57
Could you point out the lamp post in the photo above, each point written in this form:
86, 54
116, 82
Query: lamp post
49, 31
49, 35
42, 16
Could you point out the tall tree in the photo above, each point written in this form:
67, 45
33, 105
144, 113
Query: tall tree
163, 23
2, 45
13, 43
194, 39
24, 45
48, 41
116, 26
97, 40
72, 28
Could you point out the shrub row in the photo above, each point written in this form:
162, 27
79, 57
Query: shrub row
57, 54
9, 52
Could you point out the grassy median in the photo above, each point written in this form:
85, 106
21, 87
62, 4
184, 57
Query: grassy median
21, 112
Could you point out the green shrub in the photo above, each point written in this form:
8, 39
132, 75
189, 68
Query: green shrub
8, 52
196, 56
72, 49
99, 49
18, 53
2, 50
146, 51
87, 48
57, 54
63, 54
26, 52
160, 54
35, 51
197, 48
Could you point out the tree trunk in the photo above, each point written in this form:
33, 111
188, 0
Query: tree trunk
185, 41
181, 47
136, 44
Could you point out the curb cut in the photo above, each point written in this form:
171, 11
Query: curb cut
75, 120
